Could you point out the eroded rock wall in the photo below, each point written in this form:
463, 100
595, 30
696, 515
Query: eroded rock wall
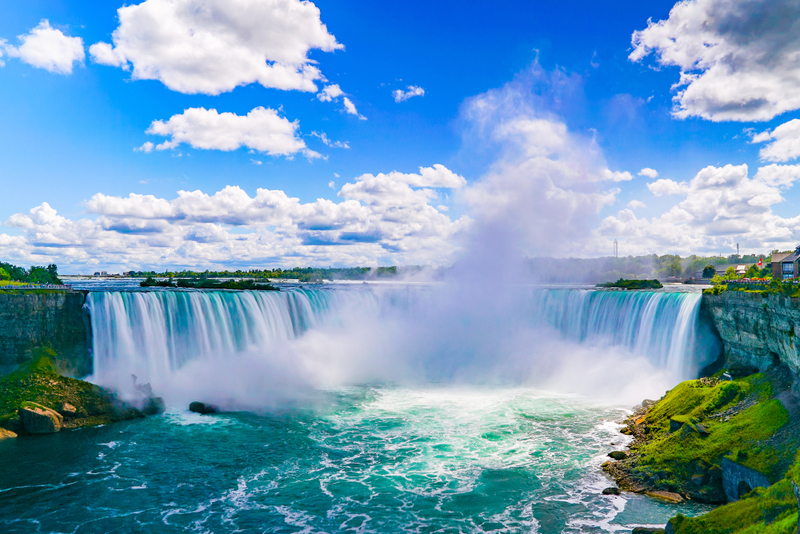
54, 319
759, 330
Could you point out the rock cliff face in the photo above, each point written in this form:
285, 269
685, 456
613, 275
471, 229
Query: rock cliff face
758, 330
55, 319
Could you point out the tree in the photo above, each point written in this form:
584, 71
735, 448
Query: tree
4, 274
730, 274
709, 271
752, 272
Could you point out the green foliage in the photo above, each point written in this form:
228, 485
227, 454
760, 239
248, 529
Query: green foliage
706, 437
770, 510
752, 272
730, 274
633, 284
709, 271
4, 274
303, 274
228, 284
35, 275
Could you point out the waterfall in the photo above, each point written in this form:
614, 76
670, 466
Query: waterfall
663, 326
155, 333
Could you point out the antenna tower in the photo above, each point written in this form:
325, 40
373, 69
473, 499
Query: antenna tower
616, 249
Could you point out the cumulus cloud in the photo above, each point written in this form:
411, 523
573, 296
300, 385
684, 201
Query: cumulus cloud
647, 171
636, 204
147, 147
330, 92
721, 206
47, 48
262, 129
389, 215
617, 176
214, 46
738, 59
783, 142
411, 91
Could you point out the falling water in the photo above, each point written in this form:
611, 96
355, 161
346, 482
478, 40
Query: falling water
156, 333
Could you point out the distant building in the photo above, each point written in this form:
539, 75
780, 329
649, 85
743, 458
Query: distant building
97, 273
785, 266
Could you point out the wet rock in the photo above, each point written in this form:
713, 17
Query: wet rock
698, 480
701, 430
738, 370
666, 496
72, 412
6, 434
611, 491
647, 403
154, 406
203, 408
618, 455
39, 419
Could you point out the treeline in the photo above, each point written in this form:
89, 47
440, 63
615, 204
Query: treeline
609, 269
304, 274
35, 275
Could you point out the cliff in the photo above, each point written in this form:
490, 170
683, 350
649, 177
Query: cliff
55, 319
757, 329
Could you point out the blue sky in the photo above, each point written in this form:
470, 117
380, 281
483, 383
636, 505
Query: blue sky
492, 86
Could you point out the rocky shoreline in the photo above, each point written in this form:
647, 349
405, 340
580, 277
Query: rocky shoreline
730, 438
35, 399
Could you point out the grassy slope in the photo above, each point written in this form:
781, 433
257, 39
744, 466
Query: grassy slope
37, 381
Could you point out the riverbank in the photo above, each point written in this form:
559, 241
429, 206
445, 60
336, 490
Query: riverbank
35, 399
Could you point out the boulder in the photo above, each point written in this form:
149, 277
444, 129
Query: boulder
154, 406
618, 455
203, 408
666, 496
675, 425
5, 434
611, 491
71, 412
39, 419
647, 403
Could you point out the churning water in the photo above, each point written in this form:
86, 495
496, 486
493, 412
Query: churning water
368, 410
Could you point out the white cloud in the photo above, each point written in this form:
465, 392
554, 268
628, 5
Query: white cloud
330, 92
650, 173
350, 108
262, 129
636, 204
332, 184
411, 91
378, 217
147, 147
48, 48
784, 142
617, 176
664, 187
721, 206
256, 162
214, 46
738, 60
322, 136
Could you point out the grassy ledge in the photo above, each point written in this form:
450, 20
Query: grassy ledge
37, 381
681, 440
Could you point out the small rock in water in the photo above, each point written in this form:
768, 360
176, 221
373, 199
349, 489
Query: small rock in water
203, 408
618, 455
39, 419
154, 406
5, 434
611, 491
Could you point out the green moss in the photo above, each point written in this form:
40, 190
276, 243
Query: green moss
770, 510
37, 381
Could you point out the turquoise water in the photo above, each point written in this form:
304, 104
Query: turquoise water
364, 460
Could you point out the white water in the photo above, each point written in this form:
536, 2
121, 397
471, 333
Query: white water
241, 345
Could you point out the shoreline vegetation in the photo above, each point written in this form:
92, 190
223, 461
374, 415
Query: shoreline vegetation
204, 283
35, 398
633, 284
702, 434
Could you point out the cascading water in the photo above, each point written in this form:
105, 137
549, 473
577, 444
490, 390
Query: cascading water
154, 334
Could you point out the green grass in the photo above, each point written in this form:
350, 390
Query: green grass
675, 456
770, 510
